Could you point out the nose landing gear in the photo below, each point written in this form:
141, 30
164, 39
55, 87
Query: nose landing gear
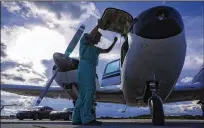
156, 105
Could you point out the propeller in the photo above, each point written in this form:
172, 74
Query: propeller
68, 51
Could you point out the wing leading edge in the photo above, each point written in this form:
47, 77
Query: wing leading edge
109, 94
33, 90
192, 91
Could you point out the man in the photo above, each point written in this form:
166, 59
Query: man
86, 77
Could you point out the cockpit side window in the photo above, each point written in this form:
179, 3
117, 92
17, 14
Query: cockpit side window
112, 67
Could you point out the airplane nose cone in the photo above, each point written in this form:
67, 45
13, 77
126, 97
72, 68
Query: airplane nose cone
158, 23
61, 61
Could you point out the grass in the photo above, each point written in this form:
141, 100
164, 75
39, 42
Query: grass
149, 117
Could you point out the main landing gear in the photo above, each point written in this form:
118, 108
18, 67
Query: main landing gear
155, 104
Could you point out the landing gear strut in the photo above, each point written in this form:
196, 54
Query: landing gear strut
156, 106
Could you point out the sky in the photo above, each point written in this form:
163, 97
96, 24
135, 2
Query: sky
32, 31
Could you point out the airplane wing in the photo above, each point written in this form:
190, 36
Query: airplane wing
32, 90
192, 91
186, 92
109, 94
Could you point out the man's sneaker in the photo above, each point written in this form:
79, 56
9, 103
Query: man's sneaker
93, 122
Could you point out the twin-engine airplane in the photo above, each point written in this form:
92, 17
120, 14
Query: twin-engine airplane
152, 57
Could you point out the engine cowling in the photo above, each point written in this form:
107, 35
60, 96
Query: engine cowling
64, 63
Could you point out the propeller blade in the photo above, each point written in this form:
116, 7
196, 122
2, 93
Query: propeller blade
43, 93
75, 40
68, 51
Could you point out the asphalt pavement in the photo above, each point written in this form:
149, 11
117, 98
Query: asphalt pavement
107, 123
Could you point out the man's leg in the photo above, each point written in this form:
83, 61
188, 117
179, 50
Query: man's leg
86, 114
78, 105
76, 119
93, 111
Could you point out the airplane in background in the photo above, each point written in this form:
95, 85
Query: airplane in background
146, 74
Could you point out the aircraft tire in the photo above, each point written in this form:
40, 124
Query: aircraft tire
35, 117
52, 118
156, 110
20, 118
70, 117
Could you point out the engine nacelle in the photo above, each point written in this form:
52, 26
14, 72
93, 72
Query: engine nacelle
65, 63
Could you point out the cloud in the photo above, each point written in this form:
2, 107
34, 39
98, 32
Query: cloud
186, 79
193, 62
191, 20
24, 103
16, 75
182, 108
32, 44
58, 8
36, 80
55, 14
49, 65
195, 42
19, 7
91, 10
26, 68
29, 46
3, 50
11, 6
13, 77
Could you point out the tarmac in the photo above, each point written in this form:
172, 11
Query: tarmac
107, 123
